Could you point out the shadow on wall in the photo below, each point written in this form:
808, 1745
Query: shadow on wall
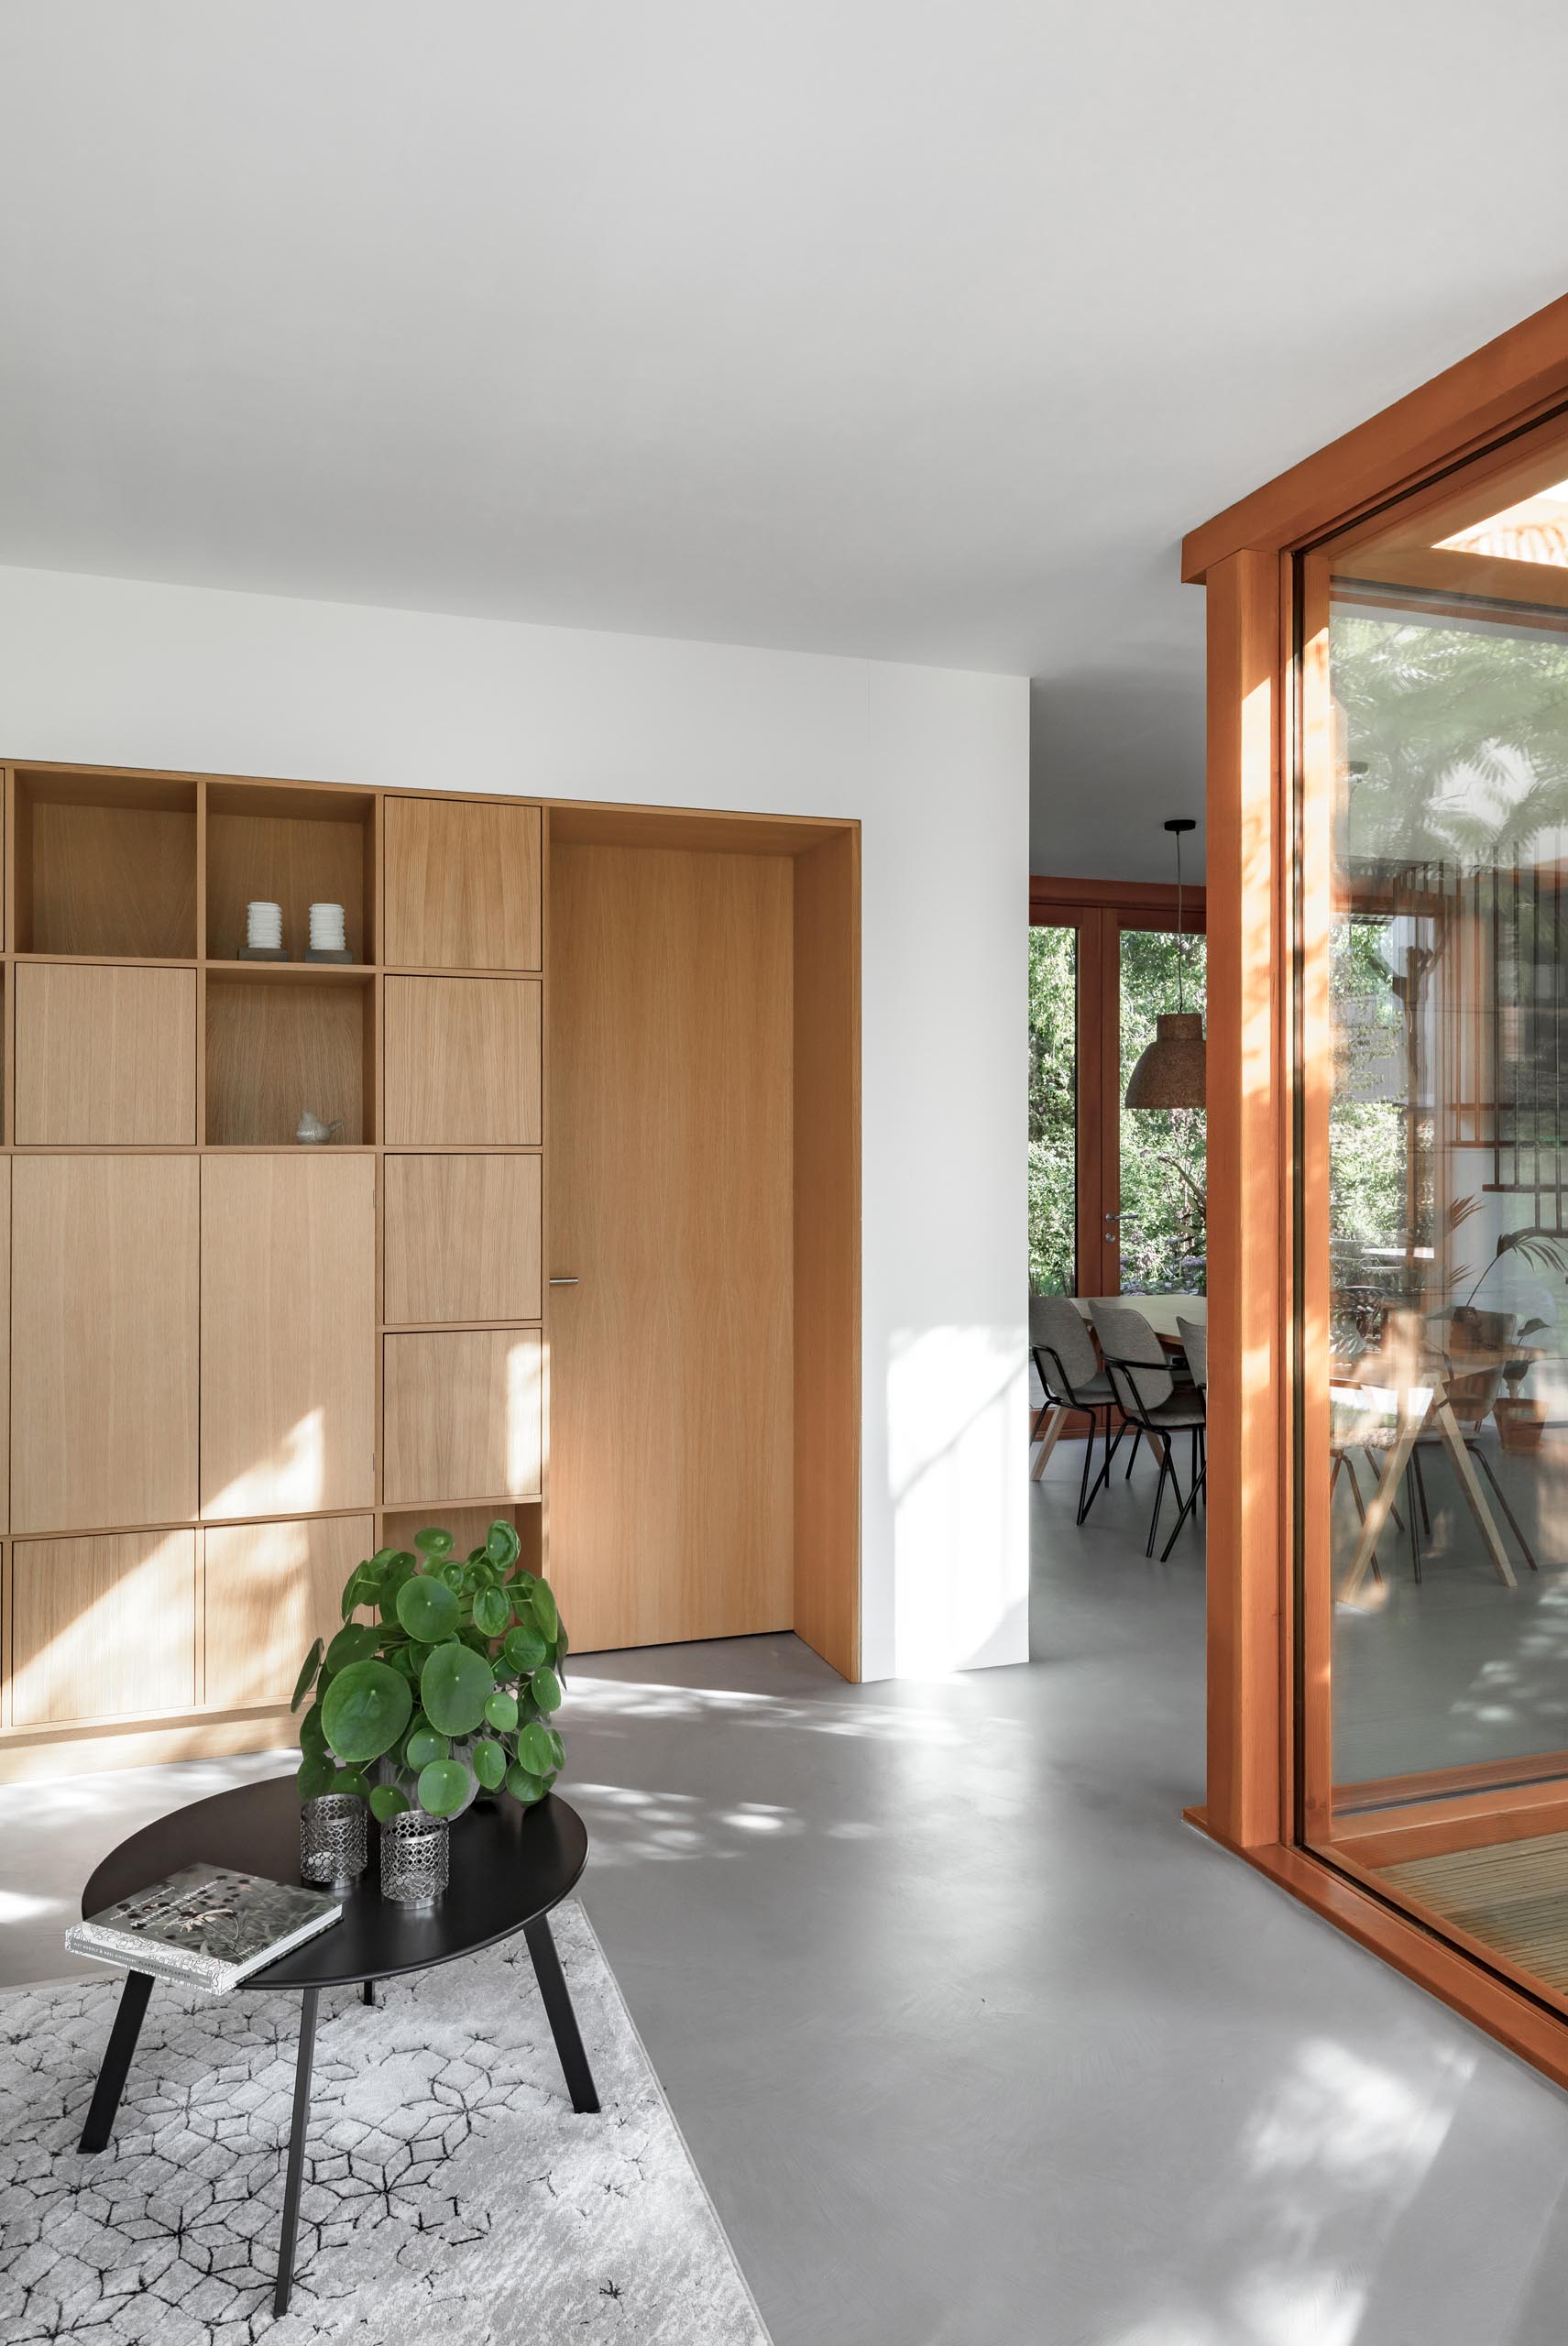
957, 1426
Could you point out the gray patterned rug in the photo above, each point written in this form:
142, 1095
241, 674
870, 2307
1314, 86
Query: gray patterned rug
452, 2196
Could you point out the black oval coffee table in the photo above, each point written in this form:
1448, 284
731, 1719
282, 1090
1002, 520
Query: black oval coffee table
509, 1867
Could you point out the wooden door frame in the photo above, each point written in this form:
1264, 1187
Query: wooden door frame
1268, 1174
1099, 910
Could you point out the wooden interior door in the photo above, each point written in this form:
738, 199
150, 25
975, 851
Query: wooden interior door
671, 1361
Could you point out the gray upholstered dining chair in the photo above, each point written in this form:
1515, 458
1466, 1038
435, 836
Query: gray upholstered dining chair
1072, 1379
1148, 1395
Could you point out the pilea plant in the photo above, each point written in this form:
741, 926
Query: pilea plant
448, 1691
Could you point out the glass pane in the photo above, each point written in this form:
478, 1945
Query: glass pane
1162, 1201
1053, 1109
1448, 1230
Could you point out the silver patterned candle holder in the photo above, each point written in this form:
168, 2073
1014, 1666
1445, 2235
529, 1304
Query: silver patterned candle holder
333, 1840
414, 1857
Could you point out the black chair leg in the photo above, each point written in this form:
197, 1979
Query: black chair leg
1083, 1478
1376, 1473
1411, 1478
1343, 1458
1131, 1455
1485, 1464
1166, 1469
1421, 1482
1188, 1505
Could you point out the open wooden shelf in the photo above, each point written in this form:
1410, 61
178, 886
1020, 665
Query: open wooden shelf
290, 847
468, 1520
103, 867
279, 1041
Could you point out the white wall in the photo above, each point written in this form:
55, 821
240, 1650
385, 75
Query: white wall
935, 763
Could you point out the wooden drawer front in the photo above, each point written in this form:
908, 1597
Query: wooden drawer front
463, 1062
270, 1589
102, 1627
103, 1305
105, 1057
462, 885
463, 1238
288, 1333
464, 1415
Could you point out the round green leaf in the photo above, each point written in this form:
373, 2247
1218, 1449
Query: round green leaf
524, 1648
488, 1762
544, 1611
351, 1780
365, 1709
502, 1545
315, 1777
356, 1643
434, 1541
442, 1787
491, 1612
307, 1677
501, 1712
558, 1749
454, 1687
453, 1576
312, 1736
386, 1800
545, 1689
533, 1748
400, 1567
407, 1659
427, 1608
523, 1786
424, 1746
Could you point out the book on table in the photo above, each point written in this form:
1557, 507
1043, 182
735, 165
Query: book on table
208, 1925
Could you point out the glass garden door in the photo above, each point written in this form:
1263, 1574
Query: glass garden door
1116, 1194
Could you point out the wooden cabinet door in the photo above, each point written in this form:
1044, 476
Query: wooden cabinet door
288, 1333
463, 1238
101, 1627
462, 885
104, 1307
671, 1359
464, 1415
105, 1057
269, 1588
463, 1062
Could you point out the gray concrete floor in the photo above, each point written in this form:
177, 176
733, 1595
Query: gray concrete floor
974, 2041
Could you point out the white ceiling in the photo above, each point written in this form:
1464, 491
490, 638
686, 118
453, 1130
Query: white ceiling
919, 329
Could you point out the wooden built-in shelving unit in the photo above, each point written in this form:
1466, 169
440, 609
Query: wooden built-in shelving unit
230, 1364
213, 1412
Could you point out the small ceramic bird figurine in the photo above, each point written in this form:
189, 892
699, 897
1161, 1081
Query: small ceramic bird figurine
309, 1132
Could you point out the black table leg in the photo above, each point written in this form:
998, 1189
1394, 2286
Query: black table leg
112, 2076
308, 2003
368, 1993
563, 2019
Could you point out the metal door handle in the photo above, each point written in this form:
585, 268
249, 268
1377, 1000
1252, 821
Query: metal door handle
563, 1282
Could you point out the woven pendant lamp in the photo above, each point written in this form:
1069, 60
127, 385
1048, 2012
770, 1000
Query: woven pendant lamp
1172, 1071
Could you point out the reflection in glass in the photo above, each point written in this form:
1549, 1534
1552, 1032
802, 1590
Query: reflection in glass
1447, 1222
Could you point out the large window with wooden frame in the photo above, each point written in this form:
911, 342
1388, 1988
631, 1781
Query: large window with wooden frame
1117, 1195
1388, 1174
1432, 799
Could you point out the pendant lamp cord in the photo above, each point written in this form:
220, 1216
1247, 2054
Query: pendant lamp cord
1180, 958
